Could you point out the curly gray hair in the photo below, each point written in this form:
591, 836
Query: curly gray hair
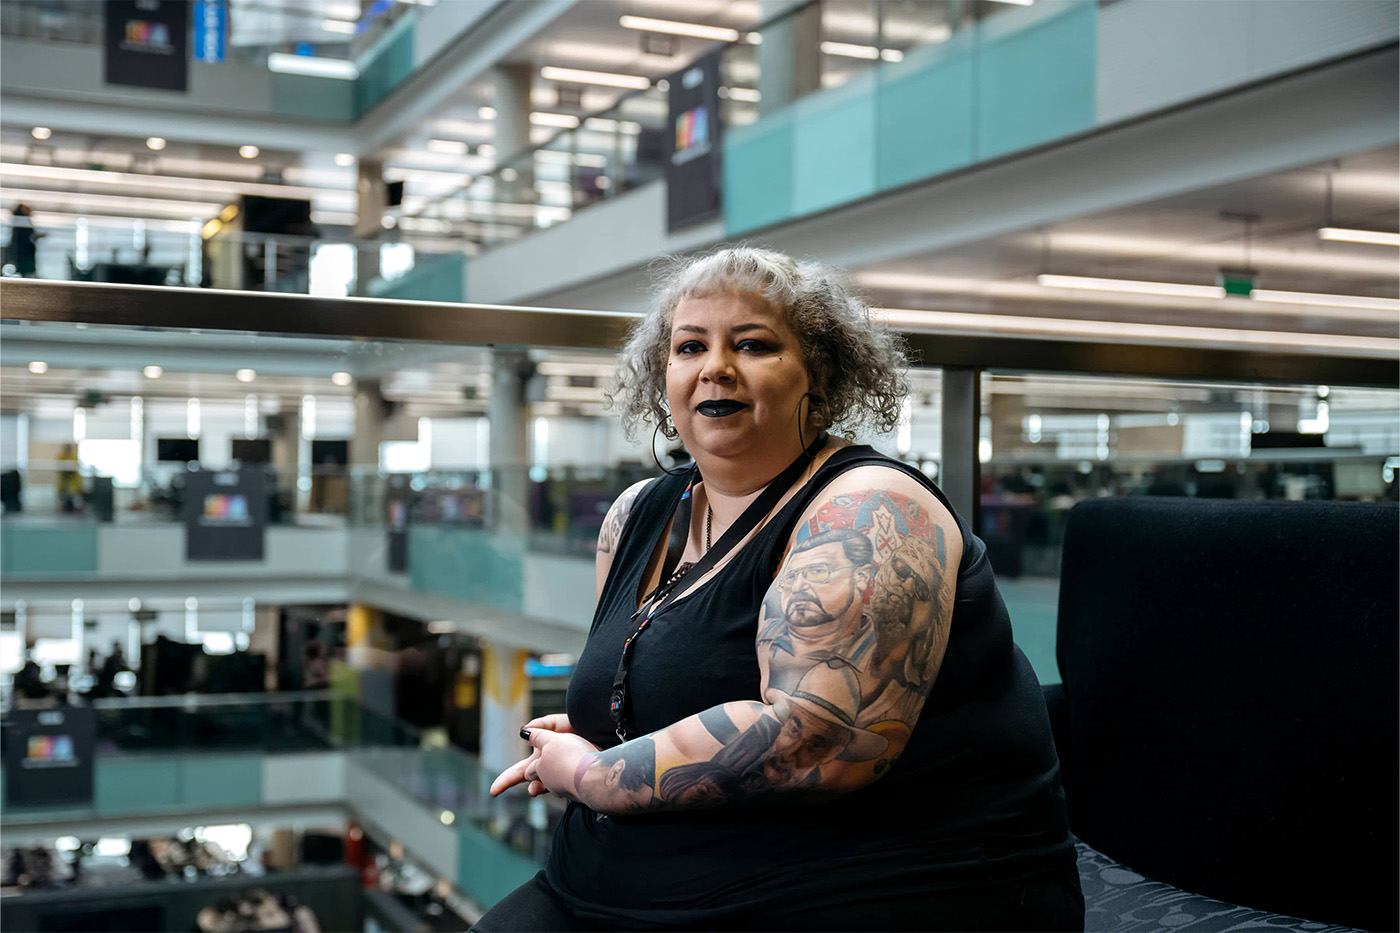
857, 365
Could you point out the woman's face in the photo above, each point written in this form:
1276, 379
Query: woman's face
735, 376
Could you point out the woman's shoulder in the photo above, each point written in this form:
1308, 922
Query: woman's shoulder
618, 513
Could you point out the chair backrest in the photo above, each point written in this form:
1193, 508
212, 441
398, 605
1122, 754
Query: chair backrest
1230, 673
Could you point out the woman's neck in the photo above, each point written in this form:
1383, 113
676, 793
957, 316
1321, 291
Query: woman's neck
730, 485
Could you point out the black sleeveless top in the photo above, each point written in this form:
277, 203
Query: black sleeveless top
974, 801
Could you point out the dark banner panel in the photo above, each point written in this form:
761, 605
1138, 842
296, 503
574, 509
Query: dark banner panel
693, 165
225, 515
48, 756
396, 523
147, 43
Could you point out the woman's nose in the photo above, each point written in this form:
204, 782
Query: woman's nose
718, 368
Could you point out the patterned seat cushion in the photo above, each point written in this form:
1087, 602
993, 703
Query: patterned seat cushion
1119, 900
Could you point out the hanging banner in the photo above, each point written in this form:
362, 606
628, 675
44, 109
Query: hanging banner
693, 162
210, 30
48, 756
225, 514
147, 43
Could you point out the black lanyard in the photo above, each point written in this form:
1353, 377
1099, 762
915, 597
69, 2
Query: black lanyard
661, 598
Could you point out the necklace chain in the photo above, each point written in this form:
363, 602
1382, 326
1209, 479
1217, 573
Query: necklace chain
709, 516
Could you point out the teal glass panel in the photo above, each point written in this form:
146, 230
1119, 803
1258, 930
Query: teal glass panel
486, 869
1036, 84
433, 278
834, 146
56, 549
924, 114
1033, 603
222, 781
327, 100
758, 174
133, 786
389, 63
469, 564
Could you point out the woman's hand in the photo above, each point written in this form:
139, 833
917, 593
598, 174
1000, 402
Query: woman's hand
553, 767
557, 722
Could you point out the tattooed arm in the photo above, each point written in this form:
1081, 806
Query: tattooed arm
611, 532
851, 637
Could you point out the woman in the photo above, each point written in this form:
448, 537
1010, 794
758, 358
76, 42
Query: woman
799, 706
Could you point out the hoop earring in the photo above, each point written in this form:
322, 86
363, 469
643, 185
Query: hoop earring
816, 400
680, 472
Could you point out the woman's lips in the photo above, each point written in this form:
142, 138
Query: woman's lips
720, 408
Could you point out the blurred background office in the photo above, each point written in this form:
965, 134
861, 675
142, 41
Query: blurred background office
283, 572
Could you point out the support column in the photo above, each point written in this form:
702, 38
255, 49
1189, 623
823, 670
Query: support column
286, 456
789, 60
366, 489
512, 84
961, 473
371, 201
505, 706
510, 441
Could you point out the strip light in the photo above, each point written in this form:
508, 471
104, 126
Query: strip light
1129, 285
561, 120
1316, 298
867, 52
672, 28
604, 78
287, 64
1347, 235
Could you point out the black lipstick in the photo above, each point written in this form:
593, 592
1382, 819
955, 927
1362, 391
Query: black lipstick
719, 408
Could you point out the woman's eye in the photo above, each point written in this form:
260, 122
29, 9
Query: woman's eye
754, 346
690, 346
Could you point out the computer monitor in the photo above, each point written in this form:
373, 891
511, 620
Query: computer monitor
330, 453
252, 451
177, 449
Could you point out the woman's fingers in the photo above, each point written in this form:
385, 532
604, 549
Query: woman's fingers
555, 722
513, 775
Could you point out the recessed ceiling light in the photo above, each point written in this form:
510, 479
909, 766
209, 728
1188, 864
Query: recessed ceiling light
248, 152
344, 159
604, 78
673, 28
38, 367
341, 379
848, 50
447, 146
41, 132
509, 174
747, 95
486, 113
155, 142
1347, 235
561, 120
340, 26
245, 375
152, 372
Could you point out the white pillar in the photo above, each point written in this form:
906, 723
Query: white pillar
510, 441
789, 60
505, 706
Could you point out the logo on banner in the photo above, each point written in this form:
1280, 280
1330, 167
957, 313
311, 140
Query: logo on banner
692, 135
142, 35
49, 751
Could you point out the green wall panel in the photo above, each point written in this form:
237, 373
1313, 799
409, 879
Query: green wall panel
307, 97
758, 174
834, 146
433, 278
924, 114
134, 786
53, 549
486, 869
469, 564
222, 781
1036, 84
390, 62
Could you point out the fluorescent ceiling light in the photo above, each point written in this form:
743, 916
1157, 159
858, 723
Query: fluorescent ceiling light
41, 132
284, 63
892, 55
155, 143
448, 146
1346, 235
343, 27
38, 367
1128, 285
561, 120
152, 372
205, 186
344, 159
1015, 2
341, 379
604, 78
486, 113
748, 95
1336, 301
245, 375
670, 27
848, 50
1170, 334
248, 152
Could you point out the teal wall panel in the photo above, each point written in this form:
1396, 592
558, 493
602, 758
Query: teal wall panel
758, 174
924, 114
433, 278
137, 785
486, 869
469, 564
222, 781
307, 97
390, 62
834, 146
1036, 84
54, 549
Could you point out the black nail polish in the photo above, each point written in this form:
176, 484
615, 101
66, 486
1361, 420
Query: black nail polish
525, 734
